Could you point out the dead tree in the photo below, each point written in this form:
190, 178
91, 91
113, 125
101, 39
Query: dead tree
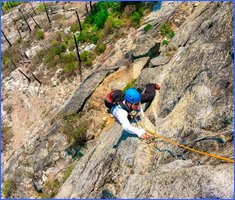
6, 38
94, 7
13, 64
25, 19
19, 32
34, 21
90, 5
48, 18
79, 22
79, 58
33, 8
86, 9
29, 80
37, 79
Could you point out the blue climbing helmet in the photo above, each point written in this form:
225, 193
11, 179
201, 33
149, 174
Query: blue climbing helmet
132, 95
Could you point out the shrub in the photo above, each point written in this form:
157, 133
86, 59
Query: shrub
8, 188
171, 34
165, 30
9, 4
148, 27
68, 57
51, 188
165, 42
7, 135
75, 129
71, 44
53, 55
135, 18
58, 36
74, 27
58, 48
68, 172
100, 48
38, 58
5, 62
40, 35
100, 18
87, 58
40, 9
70, 67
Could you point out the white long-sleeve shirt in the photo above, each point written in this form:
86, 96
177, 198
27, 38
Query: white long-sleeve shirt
122, 116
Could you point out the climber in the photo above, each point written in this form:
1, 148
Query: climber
123, 106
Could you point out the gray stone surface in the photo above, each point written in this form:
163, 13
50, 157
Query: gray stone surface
76, 103
161, 60
195, 100
143, 44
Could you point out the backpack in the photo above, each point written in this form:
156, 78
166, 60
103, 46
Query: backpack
113, 98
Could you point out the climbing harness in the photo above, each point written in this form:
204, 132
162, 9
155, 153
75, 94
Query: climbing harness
186, 147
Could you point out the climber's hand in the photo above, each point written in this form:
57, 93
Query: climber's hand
145, 136
157, 86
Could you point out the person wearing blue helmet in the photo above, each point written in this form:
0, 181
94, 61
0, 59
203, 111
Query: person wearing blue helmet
122, 105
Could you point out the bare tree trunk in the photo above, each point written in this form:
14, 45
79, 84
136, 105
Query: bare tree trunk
37, 79
25, 75
6, 39
79, 22
86, 9
49, 20
25, 19
79, 58
94, 7
34, 21
19, 32
33, 8
90, 5
13, 63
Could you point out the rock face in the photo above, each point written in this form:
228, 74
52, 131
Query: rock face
194, 107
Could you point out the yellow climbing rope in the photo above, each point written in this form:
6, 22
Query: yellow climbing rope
185, 147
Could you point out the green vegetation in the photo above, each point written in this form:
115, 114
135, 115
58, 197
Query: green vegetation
5, 62
8, 188
136, 16
10, 4
165, 42
53, 54
40, 9
40, 35
87, 58
100, 48
107, 22
52, 186
129, 85
7, 134
148, 27
167, 32
70, 67
74, 27
75, 129
68, 172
